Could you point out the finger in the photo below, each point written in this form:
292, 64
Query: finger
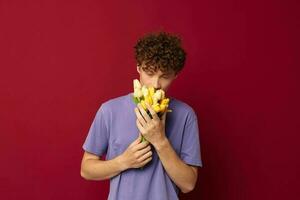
145, 156
140, 117
137, 141
144, 113
164, 116
142, 145
143, 151
153, 113
140, 126
146, 161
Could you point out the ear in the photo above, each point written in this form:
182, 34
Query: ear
138, 69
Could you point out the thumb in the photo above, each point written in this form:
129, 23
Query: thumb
138, 140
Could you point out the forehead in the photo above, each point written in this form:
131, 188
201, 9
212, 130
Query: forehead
158, 71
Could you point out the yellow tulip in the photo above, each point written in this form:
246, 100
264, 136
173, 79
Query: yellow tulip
163, 107
143, 104
156, 108
151, 91
136, 84
165, 101
148, 99
155, 100
158, 95
145, 91
162, 94
137, 93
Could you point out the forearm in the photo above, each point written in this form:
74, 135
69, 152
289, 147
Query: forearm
181, 173
93, 169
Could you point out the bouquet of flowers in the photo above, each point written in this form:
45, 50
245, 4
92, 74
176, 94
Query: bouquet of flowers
155, 98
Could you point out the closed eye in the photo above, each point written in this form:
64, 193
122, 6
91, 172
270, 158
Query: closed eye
167, 76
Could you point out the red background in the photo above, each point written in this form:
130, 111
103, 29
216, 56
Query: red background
61, 59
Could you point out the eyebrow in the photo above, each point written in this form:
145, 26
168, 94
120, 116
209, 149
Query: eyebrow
164, 74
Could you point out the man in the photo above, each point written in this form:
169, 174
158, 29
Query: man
167, 162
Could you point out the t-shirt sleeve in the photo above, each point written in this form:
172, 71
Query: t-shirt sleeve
190, 149
96, 141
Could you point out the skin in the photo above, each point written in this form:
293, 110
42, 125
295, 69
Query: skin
158, 79
139, 153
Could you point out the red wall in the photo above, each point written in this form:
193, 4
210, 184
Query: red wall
61, 59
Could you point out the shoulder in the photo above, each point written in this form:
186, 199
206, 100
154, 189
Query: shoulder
114, 103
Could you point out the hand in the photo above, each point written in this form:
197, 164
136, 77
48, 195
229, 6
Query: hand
153, 129
137, 154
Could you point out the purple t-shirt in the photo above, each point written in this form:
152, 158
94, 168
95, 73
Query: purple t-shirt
114, 129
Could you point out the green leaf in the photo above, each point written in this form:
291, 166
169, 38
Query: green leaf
135, 100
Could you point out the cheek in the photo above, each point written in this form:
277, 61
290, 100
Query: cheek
166, 83
144, 80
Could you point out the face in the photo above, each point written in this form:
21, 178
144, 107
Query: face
158, 79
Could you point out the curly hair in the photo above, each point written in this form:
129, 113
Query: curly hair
160, 51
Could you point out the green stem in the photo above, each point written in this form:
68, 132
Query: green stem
143, 139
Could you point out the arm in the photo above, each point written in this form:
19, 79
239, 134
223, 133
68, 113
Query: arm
136, 155
183, 175
92, 168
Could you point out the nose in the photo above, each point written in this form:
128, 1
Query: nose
156, 84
